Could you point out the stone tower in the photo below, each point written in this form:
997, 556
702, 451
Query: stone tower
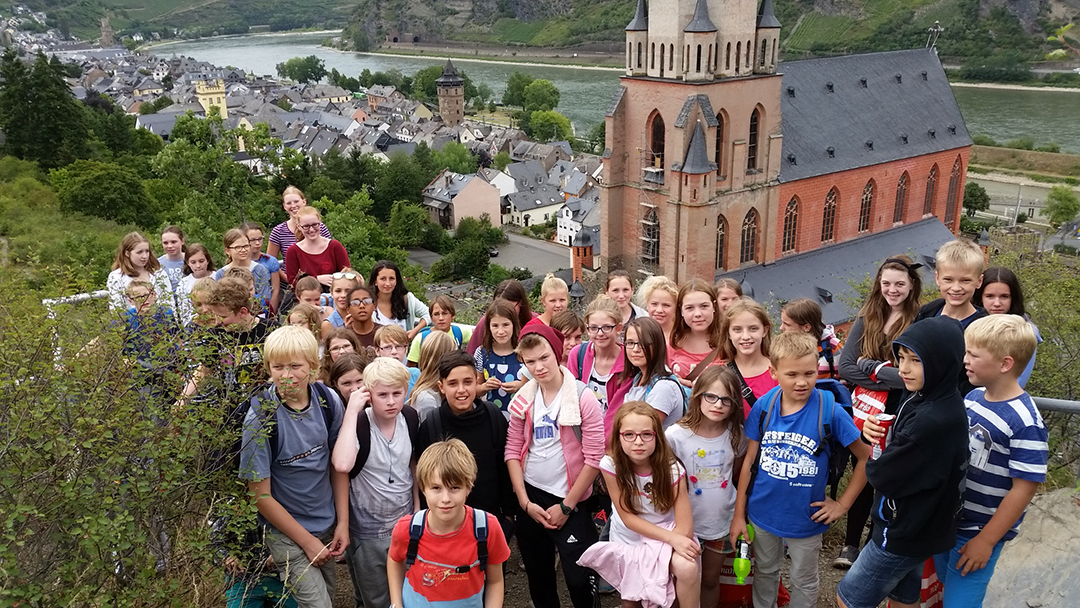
451, 90
211, 93
108, 38
693, 140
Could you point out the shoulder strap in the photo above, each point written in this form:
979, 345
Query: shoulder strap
581, 360
706, 362
824, 422
458, 336
747, 393
493, 411
324, 403
412, 422
581, 388
436, 424
827, 352
416, 530
363, 438
762, 424
268, 417
480, 531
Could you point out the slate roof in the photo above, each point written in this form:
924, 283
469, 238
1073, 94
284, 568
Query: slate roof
527, 174
765, 17
697, 156
877, 101
449, 76
826, 273
544, 196
640, 23
445, 187
700, 21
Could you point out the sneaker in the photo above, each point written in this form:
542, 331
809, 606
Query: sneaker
604, 587
847, 556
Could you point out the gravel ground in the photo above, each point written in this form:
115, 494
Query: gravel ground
517, 587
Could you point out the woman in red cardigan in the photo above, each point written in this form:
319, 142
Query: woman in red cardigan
314, 254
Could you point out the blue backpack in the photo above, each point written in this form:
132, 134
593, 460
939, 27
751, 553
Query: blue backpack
685, 390
454, 331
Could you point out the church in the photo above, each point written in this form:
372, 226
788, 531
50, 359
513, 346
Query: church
720, 161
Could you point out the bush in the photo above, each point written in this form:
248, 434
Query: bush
1021, 218
1066, 249
104, 493
980, 139
1020, 143
1049, 147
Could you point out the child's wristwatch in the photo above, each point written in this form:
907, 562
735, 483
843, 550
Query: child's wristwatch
565, 509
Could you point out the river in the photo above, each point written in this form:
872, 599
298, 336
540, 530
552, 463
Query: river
1002, 114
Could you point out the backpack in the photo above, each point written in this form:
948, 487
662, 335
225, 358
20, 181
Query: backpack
838, 454
683, 390
828, 353
826, 441
270, 417
480, 532
581, 360
454, 331
363, 436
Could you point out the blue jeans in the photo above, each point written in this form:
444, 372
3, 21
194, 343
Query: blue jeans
878, 574
964, 591
265, 592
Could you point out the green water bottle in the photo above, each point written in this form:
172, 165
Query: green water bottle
742, 555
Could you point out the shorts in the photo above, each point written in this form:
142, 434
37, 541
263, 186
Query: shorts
720, 545
878, 574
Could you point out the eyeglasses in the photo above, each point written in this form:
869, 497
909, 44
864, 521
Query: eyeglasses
390, 348
306, 227
631, 345
258, 240
600, 329
239, 247
631, 436
363, 302
343, 348
713, 398
345, 275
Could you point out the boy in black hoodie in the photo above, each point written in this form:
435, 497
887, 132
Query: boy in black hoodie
481, 426
919, 477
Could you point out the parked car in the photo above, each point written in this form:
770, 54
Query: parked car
494, 252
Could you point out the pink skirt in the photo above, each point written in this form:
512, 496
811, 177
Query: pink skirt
639, 572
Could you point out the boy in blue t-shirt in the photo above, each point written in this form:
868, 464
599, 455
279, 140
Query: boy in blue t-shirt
785, 497
1008, 456
289, 433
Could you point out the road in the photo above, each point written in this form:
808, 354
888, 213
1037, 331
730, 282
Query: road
541, 257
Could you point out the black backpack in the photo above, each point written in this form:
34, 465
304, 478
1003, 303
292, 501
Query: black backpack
363, 437
480, 532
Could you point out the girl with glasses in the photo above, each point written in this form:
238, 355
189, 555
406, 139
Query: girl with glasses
645, 376
652, 555
314, 254
361, 301
710, 442
255, 232
337, 343
238, 255
600, 359
283, 236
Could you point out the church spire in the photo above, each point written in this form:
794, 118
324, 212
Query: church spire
701, 23
765, 17
641, 19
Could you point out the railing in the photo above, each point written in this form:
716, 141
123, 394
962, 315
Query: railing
50, 312
1046, 404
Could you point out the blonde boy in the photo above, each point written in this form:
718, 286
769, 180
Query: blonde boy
289, 431
1008, 444
958, 273
786, 469
381, 489
449, 552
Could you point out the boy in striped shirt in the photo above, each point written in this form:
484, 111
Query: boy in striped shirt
1008, 455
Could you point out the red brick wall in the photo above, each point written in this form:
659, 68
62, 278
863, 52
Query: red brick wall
811, 194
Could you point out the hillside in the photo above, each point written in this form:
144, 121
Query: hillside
972, 27
82, 18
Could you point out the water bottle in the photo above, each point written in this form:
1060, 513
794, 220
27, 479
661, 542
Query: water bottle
742, 564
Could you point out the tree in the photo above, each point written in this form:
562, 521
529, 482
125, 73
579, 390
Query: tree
975, 198
598, 137
515, 89
1059, 37
1062, 205
105, 190
401, 180
455, 157
501, 160
540, 95
303, 69
407, 224
483, 92
547, 126
40, 118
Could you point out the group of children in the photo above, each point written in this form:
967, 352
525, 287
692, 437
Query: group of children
640, 458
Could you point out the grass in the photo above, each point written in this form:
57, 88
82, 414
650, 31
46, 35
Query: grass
816, 28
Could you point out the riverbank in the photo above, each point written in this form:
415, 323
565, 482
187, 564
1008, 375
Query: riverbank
590, 56
155, 45
1013, 87
489, 60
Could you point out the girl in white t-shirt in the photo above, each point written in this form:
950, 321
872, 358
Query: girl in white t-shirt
710, 442
652, 536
